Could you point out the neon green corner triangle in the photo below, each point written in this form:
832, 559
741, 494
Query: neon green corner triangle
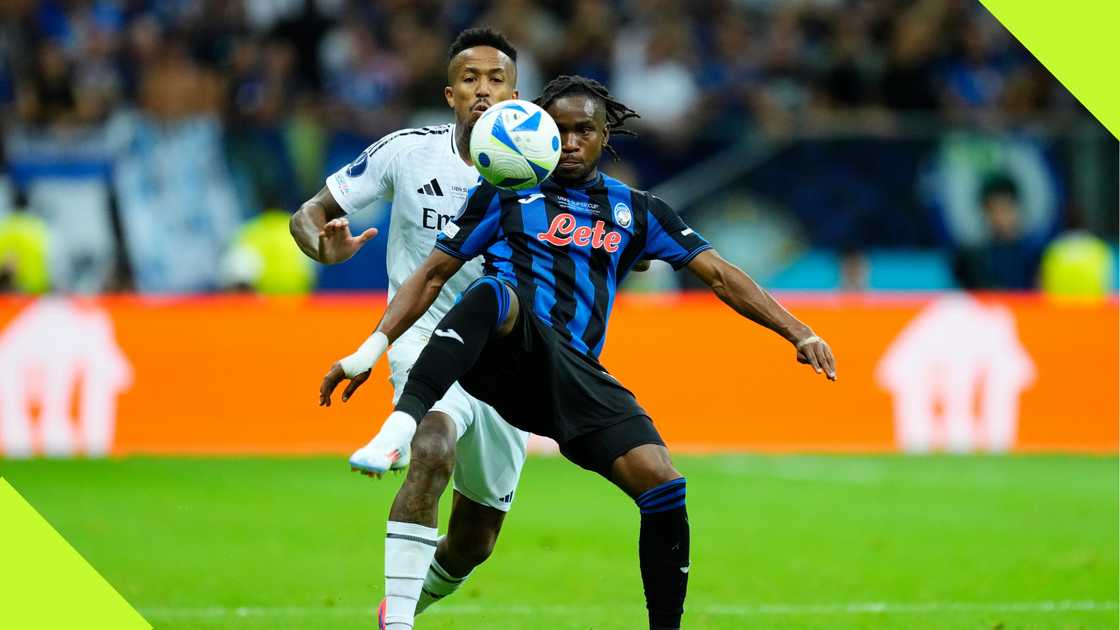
1078, 42
45, 583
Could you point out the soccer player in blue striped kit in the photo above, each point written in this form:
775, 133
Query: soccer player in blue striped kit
526, 337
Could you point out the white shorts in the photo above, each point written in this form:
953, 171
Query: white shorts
489, 453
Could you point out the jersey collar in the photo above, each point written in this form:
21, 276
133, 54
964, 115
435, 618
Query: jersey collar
592, 183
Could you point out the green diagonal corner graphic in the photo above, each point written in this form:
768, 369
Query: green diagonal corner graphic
1078, 42
45, 583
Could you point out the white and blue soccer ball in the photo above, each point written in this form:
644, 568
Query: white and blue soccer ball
515, 145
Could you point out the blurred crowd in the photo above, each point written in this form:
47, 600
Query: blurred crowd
300, 86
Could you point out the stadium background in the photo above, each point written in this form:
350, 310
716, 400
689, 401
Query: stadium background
865, 159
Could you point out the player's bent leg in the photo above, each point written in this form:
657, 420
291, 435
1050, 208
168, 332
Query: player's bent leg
646, 473
411, 536
633, 456
433, 460
487, 309
471, 534
489, 458
642, 469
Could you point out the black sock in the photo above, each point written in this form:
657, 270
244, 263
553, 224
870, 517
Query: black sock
663, 552
455, 345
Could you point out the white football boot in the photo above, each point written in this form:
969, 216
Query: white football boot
389, 449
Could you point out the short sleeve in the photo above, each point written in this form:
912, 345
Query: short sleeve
668, 238
370, 177
476, 227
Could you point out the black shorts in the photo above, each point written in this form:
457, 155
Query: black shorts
596, 451
541, 385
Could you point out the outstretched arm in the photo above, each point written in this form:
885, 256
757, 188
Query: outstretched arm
322, 231
418, 293
743, 294
411, 301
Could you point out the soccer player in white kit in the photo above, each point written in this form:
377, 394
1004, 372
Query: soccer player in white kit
427, 173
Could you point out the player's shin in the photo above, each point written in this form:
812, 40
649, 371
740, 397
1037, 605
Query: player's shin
437, 585
409, 550
455, 345
663, 552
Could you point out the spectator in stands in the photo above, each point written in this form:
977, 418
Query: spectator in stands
24, 239
1077, 265
855, 270
258, 100
47, 97
976, 75
908, 82
296, 87
176, 86
1009, 258
588, 44
364, 80
730, 77
653, 74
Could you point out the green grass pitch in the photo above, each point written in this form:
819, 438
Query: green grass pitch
778, 542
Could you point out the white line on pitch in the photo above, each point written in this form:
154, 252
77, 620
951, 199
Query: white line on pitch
734, 610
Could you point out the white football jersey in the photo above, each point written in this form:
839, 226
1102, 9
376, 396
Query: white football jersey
421, 173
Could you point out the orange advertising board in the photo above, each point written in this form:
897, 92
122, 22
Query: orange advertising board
240, 374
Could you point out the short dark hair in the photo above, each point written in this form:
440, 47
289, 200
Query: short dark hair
481, 37
998, 184
566, 85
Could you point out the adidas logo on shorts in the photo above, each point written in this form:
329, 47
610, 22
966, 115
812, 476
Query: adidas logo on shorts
506, 499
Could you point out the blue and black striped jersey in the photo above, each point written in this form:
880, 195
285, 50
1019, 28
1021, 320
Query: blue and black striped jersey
567, 249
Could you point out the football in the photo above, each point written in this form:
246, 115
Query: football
515, 145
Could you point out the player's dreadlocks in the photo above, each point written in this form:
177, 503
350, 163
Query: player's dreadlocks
617, 113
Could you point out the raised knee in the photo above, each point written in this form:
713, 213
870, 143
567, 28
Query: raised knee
433, 453
665, 473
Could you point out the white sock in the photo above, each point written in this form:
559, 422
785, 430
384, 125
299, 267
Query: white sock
409, 549
437, 585
398, 429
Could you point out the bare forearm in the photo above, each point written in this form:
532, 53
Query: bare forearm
306, 225
743, 294
411, 301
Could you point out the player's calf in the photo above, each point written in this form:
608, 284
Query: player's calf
663, 550
647, 474
472, 532
411, 536
433, 460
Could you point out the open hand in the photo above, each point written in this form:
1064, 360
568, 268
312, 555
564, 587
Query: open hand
337, 244
334, 376
814, 351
